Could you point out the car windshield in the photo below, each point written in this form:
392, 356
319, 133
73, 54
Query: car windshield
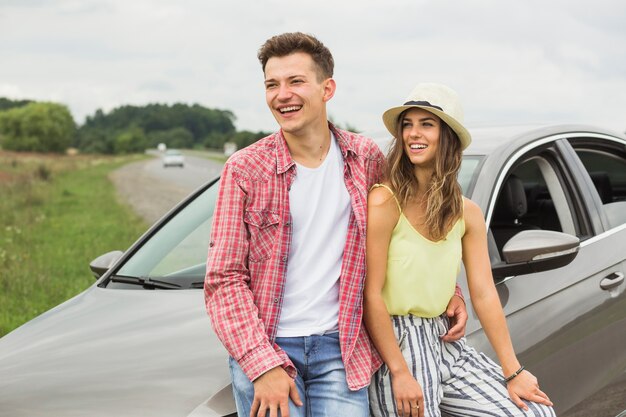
176, 254
468, 172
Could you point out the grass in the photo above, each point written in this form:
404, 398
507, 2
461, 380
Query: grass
57, 213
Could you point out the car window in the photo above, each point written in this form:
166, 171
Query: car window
468, 172
177, 252
532, 197
606, 165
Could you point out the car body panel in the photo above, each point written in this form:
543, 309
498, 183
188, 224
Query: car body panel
565, 335
575, 346
90, 350
133, 351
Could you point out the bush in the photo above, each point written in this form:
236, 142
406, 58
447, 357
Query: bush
37, 127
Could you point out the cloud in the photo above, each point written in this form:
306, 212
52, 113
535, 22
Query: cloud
510, 61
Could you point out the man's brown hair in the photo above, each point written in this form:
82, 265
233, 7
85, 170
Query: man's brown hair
289, 43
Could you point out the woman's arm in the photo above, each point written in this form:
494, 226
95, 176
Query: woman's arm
487, 305
382, 216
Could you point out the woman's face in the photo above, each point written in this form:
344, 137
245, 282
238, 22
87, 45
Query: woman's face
420, 136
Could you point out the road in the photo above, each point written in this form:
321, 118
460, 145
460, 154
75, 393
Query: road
152, 190
196, 172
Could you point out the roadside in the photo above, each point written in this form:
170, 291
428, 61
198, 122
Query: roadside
57, 213
212, 155
151, 190
150, 199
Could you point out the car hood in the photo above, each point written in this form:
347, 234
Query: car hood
116, 352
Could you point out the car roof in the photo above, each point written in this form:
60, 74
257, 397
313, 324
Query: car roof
486, 139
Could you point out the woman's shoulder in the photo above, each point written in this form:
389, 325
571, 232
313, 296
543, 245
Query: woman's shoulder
469, 205
381, 196
380, 193
472, 213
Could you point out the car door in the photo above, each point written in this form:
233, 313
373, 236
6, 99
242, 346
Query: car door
557, 317
600, 167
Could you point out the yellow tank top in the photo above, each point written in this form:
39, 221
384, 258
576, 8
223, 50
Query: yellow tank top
421, 273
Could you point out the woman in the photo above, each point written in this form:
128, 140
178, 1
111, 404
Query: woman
419, 228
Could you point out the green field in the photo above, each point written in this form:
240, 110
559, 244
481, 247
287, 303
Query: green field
57, 213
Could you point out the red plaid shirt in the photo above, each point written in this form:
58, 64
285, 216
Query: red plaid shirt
249, 248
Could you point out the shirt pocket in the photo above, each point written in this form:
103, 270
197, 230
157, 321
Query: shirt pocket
263, 229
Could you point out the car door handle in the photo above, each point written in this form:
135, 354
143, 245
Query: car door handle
612, 280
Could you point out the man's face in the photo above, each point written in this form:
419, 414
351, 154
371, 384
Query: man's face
294, 95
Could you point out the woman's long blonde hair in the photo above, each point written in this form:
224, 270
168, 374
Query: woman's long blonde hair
443, 195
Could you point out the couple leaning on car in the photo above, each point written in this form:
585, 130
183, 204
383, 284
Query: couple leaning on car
327, 261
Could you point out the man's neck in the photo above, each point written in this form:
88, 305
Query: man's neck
309, 149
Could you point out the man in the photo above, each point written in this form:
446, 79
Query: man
286, 260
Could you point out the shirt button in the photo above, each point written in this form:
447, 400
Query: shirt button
275, 300
211, 244
288, 224
284, 259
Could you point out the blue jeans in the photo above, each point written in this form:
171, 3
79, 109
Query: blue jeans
321, 380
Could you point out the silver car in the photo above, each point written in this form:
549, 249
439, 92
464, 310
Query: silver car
139, 342
173, 158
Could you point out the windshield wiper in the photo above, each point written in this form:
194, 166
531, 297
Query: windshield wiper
146, 282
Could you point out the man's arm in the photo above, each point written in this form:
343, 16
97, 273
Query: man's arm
229, 301
457, 313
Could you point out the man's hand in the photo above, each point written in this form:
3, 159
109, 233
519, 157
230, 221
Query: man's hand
457, 313
272, 391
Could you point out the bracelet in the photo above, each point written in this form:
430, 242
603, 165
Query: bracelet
516, 373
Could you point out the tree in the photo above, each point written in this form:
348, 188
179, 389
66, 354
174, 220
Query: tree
130, 141
178, 137
38, 127
178, 125
216, 140
6, 103
245, 138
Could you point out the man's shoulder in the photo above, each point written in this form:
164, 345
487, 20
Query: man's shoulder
361, 145
255, 158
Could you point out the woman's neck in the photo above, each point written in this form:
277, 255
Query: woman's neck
423, 180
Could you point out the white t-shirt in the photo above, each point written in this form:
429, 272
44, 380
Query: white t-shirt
320, 211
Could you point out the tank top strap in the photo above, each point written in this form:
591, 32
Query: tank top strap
390, 191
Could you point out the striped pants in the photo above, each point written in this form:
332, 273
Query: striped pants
455, 379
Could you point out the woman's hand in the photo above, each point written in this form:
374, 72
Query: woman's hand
525, 387
408, 395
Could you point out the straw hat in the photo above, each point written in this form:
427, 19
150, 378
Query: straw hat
437, 99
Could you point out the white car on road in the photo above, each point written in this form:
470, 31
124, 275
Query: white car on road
173, 158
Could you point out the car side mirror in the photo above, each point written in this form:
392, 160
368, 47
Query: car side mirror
103, 262
532, 251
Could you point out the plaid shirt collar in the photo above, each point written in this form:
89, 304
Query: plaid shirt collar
284, 161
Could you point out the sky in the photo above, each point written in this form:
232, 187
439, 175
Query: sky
531, 61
